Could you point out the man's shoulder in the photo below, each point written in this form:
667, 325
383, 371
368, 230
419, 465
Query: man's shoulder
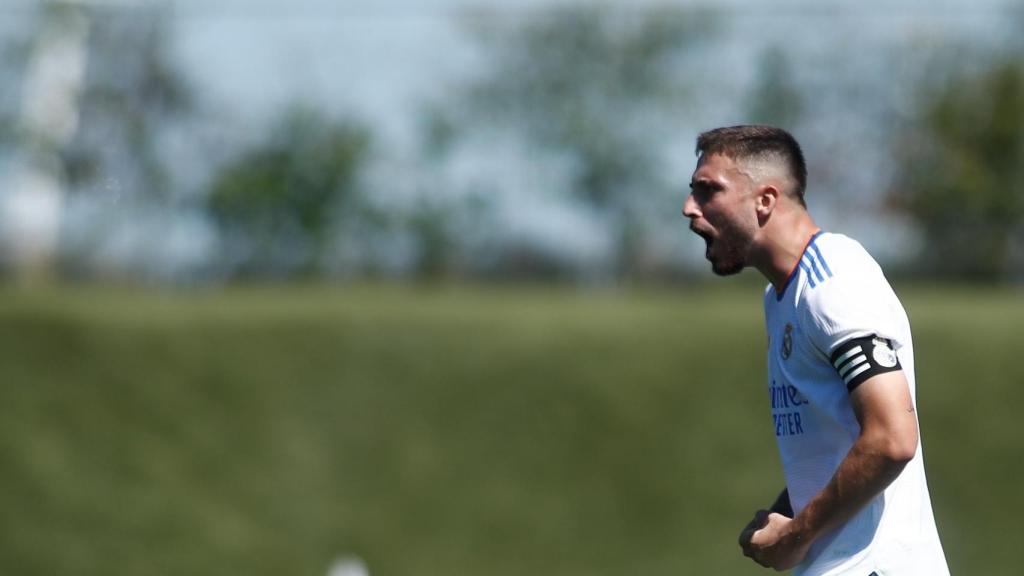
839, 261
844, 256
834, 269
839, 272
853, 299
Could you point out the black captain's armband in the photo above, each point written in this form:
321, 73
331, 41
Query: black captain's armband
861, 358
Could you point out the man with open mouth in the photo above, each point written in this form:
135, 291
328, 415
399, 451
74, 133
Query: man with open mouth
840, 369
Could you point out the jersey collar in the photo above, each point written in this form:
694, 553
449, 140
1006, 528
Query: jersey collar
796, 266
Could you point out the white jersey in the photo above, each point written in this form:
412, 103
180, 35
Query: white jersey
835, 298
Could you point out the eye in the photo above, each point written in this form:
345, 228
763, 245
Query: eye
703, 190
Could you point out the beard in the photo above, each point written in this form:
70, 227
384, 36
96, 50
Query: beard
728, 265
731, 247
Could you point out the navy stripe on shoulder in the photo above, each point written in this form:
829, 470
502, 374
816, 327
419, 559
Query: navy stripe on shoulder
807, 271
814, 266
821, 259
799, 265
813, 263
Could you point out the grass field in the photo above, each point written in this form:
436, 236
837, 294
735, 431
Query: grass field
448, 432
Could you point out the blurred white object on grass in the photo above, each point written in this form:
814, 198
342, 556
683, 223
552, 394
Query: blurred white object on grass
348, 566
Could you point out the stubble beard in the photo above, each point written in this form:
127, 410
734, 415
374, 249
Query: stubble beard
732, 256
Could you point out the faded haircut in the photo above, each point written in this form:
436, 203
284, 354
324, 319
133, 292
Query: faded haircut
759, 144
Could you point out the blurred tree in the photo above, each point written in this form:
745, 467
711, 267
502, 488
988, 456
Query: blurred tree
15, 50
774, 98
133, 91
430, 226
598, 86
962, 175
277, 203
118, 170
99, 92
434, 221
53, 55
446, 222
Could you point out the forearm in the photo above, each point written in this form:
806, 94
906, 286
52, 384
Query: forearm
886, 443
867, 470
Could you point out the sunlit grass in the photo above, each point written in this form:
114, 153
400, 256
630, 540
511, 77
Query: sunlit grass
446, 431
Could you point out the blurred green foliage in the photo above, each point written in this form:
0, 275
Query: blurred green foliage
961, 175
134, 90
775, 98
594, 97
449, 432
279, 201
92, 94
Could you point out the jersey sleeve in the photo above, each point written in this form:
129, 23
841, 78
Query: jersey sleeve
851, 321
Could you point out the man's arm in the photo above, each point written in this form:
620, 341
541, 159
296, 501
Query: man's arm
888, 440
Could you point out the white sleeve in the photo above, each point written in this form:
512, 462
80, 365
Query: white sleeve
845, 308
853, 327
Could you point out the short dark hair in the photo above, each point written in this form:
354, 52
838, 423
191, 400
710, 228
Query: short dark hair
755, 142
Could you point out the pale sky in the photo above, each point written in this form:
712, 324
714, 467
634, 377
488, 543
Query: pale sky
382, 58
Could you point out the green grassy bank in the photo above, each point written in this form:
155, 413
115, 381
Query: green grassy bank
448, 432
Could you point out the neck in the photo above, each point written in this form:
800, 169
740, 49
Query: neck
782, 245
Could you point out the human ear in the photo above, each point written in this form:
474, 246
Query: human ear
766, 199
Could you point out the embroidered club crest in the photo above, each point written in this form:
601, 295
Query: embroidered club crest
883, 353
787, 341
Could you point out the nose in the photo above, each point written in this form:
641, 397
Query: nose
690, 208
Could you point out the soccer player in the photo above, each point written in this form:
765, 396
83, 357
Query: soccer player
840, 369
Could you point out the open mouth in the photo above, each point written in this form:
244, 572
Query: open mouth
708, 240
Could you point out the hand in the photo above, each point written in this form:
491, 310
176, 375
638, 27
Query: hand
760, 519
774, 543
